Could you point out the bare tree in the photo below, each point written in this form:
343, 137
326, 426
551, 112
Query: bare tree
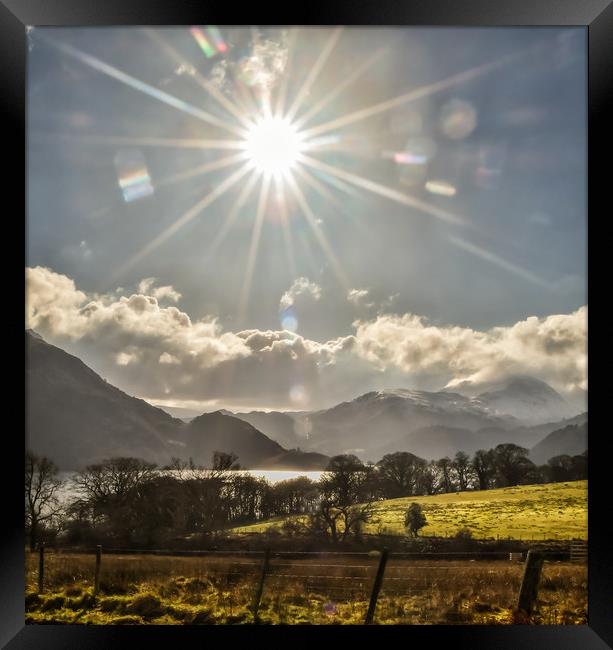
110, 489
42, 485
461, 465
484, 467
114, 478
346, 502
427, 482
444, 466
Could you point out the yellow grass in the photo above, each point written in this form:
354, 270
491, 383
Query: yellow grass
219, 590
548, 511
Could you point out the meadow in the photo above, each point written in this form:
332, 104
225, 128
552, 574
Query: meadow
334, 588
325, 589
527, 512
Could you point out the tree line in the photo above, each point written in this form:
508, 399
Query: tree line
130, 502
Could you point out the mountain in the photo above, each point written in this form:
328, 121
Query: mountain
380, 420
220, 432
571, 440
434, 442
526, 398
76, 418
179, 412
281, 427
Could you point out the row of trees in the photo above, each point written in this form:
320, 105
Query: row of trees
403, 474
127, 501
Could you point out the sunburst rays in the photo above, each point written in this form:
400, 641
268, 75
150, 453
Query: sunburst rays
240, 113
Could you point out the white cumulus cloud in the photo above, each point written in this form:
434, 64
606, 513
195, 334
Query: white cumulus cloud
302, 288
159, 352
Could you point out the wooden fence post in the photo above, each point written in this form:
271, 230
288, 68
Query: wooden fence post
41, 566
529, 586
376, 588
258, 593
97, 570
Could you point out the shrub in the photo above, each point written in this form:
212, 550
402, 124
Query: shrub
33, 600
464, 534
113, 604
147, 605
73, 591
54, 602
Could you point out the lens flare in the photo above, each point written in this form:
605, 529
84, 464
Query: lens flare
409, 158
133, 175
298, 395
458, 119
289, 320
442, 188
215, 34
201, 39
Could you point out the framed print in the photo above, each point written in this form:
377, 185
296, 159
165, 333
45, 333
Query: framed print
306, 323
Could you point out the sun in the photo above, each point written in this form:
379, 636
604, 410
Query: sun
273, 146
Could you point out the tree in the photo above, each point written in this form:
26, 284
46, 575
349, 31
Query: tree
580, 466
208, 492
512, 464
484, 467
566, 468
346, 501
109, 492
444, 466
461, 465
399, 474
427, 481
42, 486
414, 519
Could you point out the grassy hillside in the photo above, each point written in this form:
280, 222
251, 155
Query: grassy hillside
549, 511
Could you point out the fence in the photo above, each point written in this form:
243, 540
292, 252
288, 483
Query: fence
341, 576
578, 551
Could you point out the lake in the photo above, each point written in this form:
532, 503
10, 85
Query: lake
271, 475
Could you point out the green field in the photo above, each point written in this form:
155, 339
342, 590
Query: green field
546, 511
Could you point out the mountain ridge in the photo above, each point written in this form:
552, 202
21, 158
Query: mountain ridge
66, 398
76, 418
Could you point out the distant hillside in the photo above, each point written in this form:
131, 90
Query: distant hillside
76, 418
381, 420
280, 427
184, 414
544, 511
528, 399
435, 442
571, 440
220, 432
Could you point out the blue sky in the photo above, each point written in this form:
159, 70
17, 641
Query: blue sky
492, 159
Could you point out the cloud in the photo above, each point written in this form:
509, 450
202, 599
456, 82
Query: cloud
553, 348
266, 63
159, 352
368, 302
302, 289
121, 325
358, 297
147, 286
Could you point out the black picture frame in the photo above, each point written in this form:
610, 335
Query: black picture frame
595, 15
